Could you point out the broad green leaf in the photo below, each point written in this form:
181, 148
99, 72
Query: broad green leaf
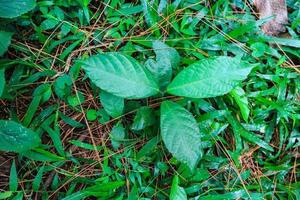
117, 134
210, 77
49, 24
15, 8
2, 81
62, 86
259, 49
144, 117
17, 138
177, 192
166, 59
120, 75
241, 99
91, 115
13, 177
151, 15
5, 39
112, 104
180, 133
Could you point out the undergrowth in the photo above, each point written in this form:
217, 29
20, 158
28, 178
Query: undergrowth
119, 99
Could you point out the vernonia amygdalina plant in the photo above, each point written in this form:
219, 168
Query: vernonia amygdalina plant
123, 77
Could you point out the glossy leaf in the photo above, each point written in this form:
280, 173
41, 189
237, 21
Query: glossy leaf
209, 77
17, 138
5, 39
15, 8
180, 133
120, 75
166, 59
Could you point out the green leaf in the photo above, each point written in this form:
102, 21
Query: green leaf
177, 192
2, 81
13, 177
259, 49
15, 8
17, 138
180, 133
151, 15
144, 118
5, 39
210, 77
77, 196
251, 137
148, 148
241, 99
120, 75
84, 145
5, 195
75, 100
112, 104
283, 41
55, 137
62, 86
38, 179
41, 94
117, 134
42, 155
91, 115
166, 59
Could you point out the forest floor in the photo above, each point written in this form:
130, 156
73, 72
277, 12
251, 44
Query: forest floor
195, 102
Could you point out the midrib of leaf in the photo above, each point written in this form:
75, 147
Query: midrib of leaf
223, 78
122, 78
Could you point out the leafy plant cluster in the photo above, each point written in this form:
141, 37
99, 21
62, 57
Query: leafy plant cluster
147, 100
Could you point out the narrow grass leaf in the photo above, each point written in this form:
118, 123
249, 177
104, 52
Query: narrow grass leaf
13, 177
38, 179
